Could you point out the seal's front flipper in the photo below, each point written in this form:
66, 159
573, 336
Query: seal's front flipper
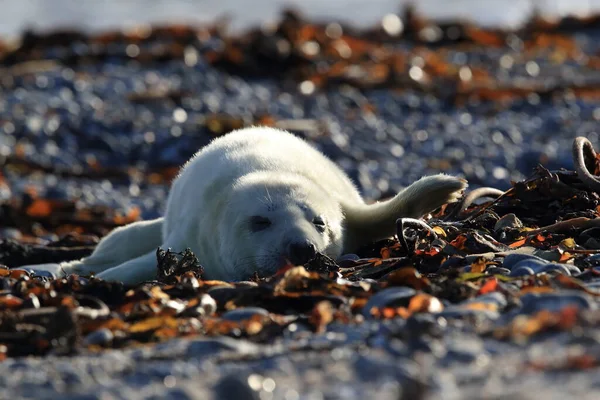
427, 194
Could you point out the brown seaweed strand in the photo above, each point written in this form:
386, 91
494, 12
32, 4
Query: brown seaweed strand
403, 223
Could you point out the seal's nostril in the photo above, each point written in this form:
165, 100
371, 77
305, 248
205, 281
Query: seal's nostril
301, 252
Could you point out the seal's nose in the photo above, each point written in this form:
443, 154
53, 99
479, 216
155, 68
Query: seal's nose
301, 252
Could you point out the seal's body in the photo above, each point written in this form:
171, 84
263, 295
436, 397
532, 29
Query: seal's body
253, 201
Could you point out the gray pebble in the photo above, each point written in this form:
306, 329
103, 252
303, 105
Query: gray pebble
521, 271
535, 302
100, 337
497, 271
508, 221
389, 297
348, 257
241, 314
512, 259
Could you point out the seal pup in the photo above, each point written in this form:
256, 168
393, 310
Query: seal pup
255, 200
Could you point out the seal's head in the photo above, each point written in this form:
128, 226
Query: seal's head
272, 219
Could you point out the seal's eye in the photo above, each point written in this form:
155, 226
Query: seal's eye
319, 224
258, 223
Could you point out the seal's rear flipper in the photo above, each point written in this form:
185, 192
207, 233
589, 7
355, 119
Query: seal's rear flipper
144, 267
367, 223
127, 242
120, 245
140, 269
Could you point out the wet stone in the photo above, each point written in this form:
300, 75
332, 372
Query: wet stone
464, 351
512, 259
100, 337
522, 271
207, 307
535, 302
246, 284
538, 265
348, 260
222, 294
396, 296
208, 304
348, 257
487, 306
496, 298
235, 386
241, 314
37, 272
426, 324
497, 271
508, 221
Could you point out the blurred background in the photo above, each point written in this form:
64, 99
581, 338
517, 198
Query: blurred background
102, 101
110, 14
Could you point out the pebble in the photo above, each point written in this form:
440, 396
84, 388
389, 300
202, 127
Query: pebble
208, 304
207, 307
508, 221
540, 267
348, 257
236, 386
493, 270
496, 300
466, 352
221, 294
521, 271
11, 233
241, 314
53, 270
395, 296
427, 323
348, 260
535, 302
100, 337
512, 259
521, 264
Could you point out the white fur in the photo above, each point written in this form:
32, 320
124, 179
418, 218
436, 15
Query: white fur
258, 172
